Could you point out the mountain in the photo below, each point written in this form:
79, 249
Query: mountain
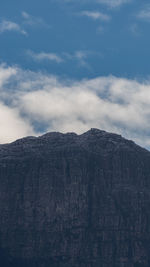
69, 200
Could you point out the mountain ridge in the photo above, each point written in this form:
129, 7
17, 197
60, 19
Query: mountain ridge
92, 133
69, 200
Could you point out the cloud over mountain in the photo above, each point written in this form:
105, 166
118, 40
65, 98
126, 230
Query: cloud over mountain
29, 99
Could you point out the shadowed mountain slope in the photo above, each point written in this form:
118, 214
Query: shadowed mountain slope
70, 200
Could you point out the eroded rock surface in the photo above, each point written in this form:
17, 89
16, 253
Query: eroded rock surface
70, 200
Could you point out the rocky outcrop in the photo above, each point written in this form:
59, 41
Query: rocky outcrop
70, 200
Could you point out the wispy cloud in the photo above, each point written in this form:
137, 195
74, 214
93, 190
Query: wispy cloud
95, 15
114, 3
135, 29
6, 25
113, 104
109, 3
33, 21
100, 29
144, 14
79, 56
42, 56
82, 58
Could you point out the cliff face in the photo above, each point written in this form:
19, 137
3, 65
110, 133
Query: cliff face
70, 200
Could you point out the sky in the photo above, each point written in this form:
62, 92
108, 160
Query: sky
70, 65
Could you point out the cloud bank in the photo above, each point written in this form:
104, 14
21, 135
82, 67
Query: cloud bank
30, 99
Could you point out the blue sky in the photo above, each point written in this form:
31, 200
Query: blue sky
110, 40
69, 65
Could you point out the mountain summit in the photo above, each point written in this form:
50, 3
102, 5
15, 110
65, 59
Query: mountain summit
69, 200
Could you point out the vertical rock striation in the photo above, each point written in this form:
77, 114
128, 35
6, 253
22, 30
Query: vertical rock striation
70, 200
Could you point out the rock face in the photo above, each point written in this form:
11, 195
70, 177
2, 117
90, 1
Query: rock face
70, 200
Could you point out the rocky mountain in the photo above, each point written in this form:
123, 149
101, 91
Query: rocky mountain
69, 200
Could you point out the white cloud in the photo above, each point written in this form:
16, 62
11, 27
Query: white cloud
6, 74
45, 56
113, 104
7, 25
13, 126
95, 15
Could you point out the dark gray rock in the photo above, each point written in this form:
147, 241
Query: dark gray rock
70, 200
